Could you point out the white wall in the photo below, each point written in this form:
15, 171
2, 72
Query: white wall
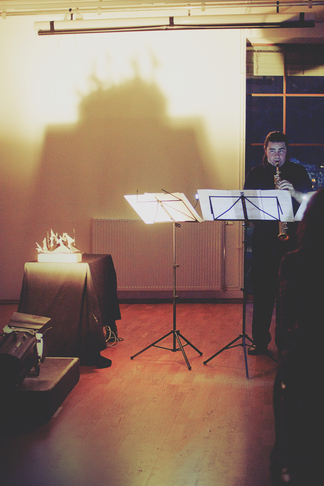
87, 119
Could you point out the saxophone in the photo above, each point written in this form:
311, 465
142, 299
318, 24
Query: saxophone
283, 225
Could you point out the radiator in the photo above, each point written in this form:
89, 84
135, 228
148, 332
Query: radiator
143, 254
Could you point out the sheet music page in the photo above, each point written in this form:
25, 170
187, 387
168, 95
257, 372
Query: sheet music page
227, 205
178, 207
269, 205
249, 204
163, 207
214, 203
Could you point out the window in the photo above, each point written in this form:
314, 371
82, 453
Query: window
285, 91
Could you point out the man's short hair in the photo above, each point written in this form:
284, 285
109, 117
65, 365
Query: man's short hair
276, 137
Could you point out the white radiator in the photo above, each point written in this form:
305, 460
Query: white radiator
143, 254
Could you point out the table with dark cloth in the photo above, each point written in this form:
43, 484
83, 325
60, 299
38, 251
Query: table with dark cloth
80, 298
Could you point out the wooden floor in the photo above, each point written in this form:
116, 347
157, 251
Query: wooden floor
150, 421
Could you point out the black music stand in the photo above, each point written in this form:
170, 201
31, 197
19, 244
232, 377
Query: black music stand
174, 208
244, 206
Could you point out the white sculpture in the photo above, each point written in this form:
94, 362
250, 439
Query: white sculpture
56, 246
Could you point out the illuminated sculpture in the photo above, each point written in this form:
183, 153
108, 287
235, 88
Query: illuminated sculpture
58, 249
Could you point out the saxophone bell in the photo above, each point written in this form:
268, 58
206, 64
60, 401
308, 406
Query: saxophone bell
283, 228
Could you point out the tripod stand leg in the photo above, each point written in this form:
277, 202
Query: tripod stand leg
223, 349
190, 344
245, 356
153, 344
176, 333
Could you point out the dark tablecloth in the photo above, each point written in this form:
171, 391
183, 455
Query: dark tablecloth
80, 299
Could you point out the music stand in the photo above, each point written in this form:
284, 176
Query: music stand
244, 206
173, 208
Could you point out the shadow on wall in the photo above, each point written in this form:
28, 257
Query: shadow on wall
124, 142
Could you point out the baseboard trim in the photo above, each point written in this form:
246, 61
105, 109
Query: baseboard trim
182, 296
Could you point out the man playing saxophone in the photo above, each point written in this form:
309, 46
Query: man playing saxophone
276, 171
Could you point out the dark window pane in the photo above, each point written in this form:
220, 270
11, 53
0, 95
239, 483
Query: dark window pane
308, 155
313, 159
263, 115
264, 84
305, 85
305, 120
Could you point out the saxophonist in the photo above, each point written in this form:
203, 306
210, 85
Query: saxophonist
267, 248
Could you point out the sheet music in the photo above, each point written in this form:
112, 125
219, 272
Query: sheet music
163, 207
249, 204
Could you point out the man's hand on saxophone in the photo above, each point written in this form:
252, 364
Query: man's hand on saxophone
287, 186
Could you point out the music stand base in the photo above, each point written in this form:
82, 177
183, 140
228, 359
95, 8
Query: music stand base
177, 336
232, 344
